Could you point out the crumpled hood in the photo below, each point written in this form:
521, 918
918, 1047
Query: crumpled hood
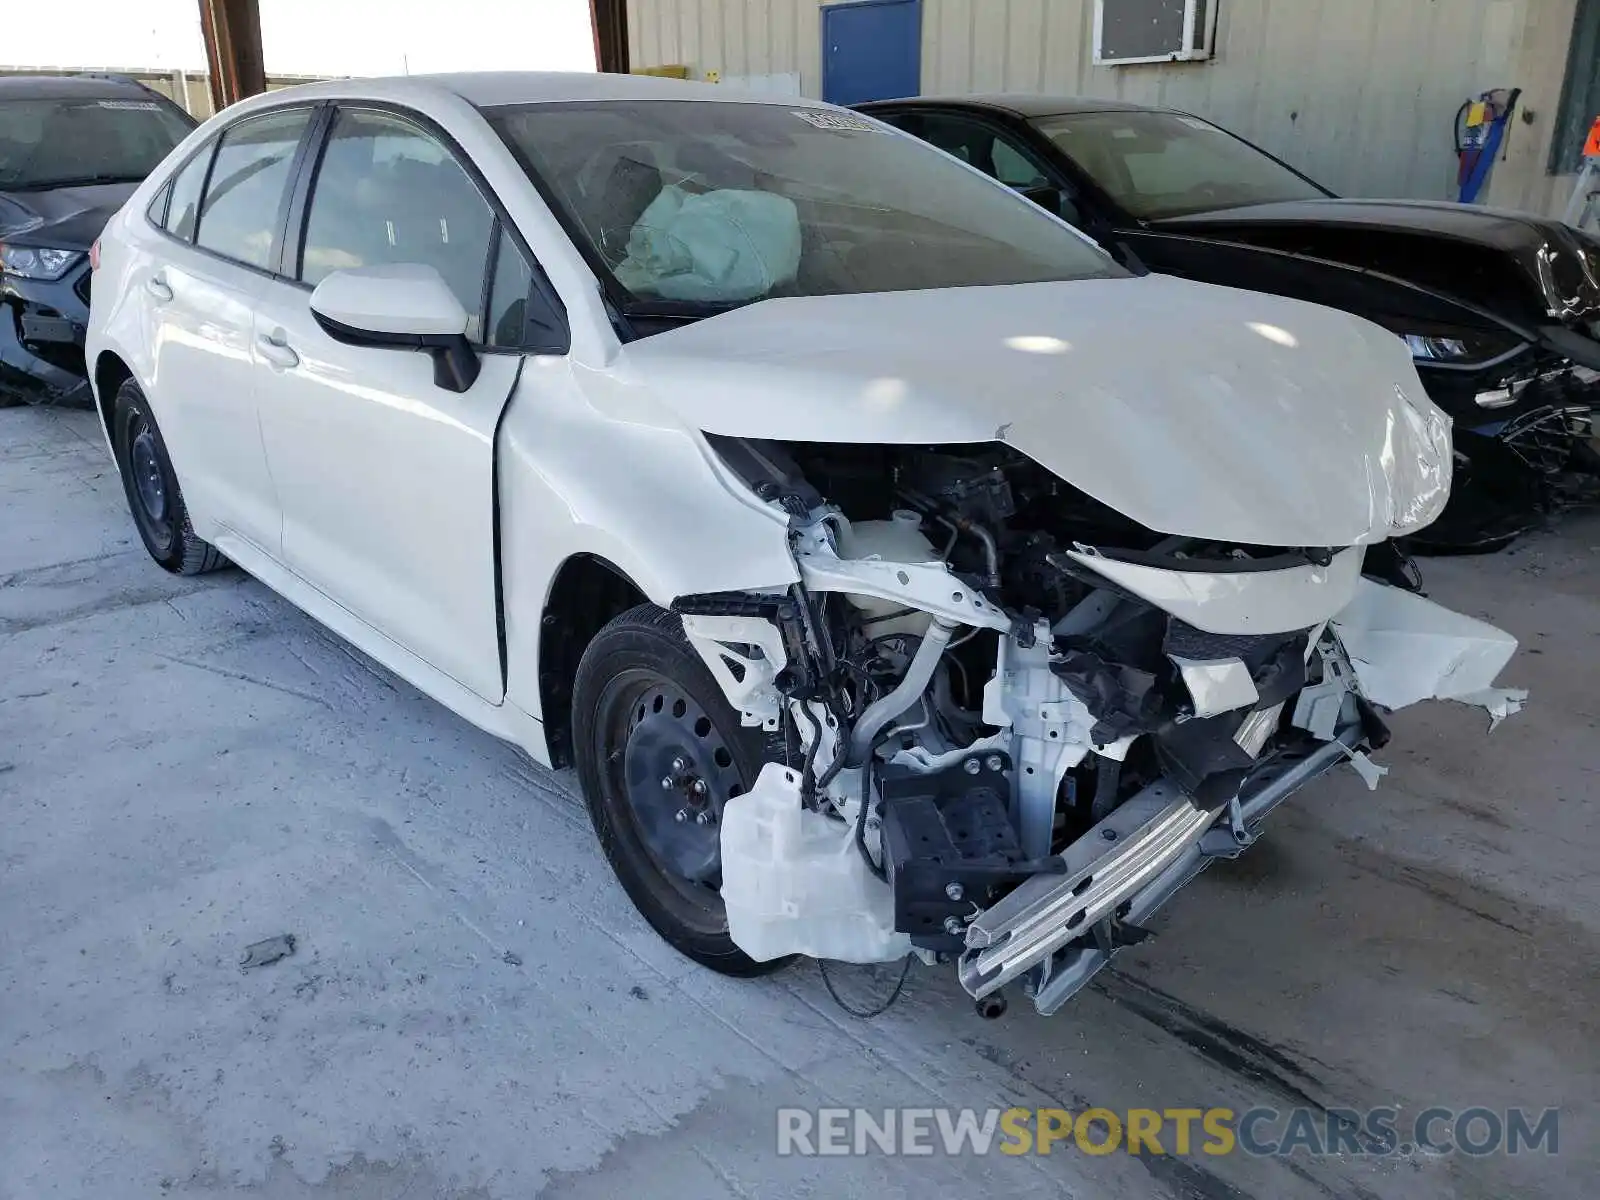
69, 217
1195, 410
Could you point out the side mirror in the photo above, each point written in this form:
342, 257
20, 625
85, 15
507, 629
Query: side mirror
1044, 195
1053, 199
402, 306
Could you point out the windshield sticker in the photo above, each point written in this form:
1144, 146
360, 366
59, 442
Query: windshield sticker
823, 119
136, 105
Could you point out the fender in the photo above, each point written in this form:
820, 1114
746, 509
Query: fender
675, 522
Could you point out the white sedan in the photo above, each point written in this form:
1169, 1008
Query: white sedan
901, 575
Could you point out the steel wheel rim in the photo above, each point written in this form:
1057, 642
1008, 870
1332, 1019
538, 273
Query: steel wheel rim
148, 481
676, 772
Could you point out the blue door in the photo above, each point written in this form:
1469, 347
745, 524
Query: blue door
871, 50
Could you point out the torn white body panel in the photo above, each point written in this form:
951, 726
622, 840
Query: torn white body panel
1405, 649
1217, 685
1239, 602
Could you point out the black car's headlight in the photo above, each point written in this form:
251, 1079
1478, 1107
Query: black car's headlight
1437, 348
1452, 345
37, 262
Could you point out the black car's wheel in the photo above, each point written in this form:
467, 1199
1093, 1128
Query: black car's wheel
659, 752
154, 497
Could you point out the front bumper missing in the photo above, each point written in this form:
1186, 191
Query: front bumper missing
1063, 927
41, 343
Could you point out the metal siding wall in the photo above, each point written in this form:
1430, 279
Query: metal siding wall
733, 37
1357, 93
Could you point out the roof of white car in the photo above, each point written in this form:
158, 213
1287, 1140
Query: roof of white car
487, 89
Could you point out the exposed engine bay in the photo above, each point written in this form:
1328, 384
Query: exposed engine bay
1021, 721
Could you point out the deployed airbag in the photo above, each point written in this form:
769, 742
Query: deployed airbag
727, 245
1405, 649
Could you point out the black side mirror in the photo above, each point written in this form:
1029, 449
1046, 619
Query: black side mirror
1053, 200
1045, 196
455, 362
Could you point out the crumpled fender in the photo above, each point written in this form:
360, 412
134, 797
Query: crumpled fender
1405, 649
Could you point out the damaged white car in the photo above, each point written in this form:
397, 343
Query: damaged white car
900, 574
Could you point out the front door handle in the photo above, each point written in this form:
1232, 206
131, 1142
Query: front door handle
275, 348
158, 288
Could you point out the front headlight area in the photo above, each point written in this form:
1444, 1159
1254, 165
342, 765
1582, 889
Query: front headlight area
981, 707
45, 263
1440, 344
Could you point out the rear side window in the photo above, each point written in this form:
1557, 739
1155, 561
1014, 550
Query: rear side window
183, 209
388, 192
240, 216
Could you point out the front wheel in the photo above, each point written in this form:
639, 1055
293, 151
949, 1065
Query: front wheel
154, 497
659, 752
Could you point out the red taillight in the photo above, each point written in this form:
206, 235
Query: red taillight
94, 255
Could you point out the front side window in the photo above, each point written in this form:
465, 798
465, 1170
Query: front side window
62, 142
239, 217
1162, 164
509, 296
387, 192
710, 204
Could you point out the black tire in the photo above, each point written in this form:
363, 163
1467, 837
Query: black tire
639, 658
154, 497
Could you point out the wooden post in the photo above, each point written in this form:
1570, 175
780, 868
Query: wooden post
232, 31
610, 20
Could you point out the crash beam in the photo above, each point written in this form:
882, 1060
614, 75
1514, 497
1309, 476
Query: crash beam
1127, 866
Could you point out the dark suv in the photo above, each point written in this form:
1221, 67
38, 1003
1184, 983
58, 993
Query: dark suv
72, 149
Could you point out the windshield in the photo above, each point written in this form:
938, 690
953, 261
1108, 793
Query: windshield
707, 205
54, 143
1162, 164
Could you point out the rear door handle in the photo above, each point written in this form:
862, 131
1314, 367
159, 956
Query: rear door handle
158, 288
275, 348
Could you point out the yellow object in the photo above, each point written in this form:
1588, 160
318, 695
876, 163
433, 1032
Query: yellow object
713, 77
672, 72
1478, 114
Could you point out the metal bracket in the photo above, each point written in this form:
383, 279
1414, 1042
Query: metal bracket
1050, 732
751, 688
929, 587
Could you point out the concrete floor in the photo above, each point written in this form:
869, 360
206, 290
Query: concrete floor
188, 766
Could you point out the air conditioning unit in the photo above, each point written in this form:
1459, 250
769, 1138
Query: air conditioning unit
1153, 31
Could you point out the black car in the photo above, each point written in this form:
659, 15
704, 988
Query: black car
72, 149
1501, 310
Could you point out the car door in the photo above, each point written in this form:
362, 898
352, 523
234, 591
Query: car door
385, 478
220, 220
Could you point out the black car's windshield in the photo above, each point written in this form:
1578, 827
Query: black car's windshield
56, 143
1163, 164
713, 204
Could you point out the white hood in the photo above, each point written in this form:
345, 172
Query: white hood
1195, 410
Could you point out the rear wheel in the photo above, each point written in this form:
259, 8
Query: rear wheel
154, 497
660, 751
